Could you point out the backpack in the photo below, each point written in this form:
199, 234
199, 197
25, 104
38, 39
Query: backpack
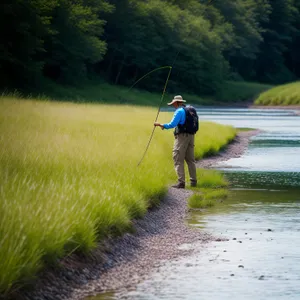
191, 124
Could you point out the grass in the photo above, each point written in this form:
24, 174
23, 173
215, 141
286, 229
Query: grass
213, 139
287, 94
240, 91
197, 201
207, 198
210, 188
210, 179
69, 177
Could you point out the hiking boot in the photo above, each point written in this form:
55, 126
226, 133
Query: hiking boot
179, 185
193, 183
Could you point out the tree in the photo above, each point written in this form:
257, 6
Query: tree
270, 65
292, 56
76, 43
205, 41
245, 38
142, 36
24, 24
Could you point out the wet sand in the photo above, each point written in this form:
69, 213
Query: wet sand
121, 263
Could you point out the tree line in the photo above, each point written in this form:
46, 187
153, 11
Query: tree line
206, 42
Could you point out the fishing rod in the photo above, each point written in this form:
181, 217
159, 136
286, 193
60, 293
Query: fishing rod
164, 90
161, 101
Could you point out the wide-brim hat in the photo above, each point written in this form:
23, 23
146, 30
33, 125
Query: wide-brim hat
177, 98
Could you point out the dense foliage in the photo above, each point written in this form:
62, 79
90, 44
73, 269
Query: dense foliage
206, 42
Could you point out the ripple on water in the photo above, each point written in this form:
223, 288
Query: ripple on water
273, 181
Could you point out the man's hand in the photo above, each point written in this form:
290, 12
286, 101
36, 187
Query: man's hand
158, 124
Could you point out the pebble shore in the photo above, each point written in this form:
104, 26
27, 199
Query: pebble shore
121, 263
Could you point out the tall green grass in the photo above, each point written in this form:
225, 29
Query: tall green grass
207, 198
69, 177
212, 139
211, 179
211, 187
287, 94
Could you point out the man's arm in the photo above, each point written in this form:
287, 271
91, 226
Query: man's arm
174, 122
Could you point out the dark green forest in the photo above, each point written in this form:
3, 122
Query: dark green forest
206, 42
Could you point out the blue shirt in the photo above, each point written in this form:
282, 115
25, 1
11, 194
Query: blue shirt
178, 118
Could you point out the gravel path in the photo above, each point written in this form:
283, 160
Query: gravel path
123, 262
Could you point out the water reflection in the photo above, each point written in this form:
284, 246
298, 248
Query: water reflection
264, 180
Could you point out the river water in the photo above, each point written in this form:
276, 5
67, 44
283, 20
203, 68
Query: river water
260, 221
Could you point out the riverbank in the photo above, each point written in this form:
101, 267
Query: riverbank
281, 95
128, 260
70, 178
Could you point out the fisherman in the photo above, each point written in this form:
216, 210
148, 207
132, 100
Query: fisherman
184, 142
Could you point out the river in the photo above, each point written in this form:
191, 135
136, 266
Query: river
260, 222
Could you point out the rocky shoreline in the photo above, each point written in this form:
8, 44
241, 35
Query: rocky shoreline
123, 262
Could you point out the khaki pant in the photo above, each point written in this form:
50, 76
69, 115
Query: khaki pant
184, 151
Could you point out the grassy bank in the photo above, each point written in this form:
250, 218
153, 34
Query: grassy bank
207, 198
69, 177
287, 94
212, 186
99, 91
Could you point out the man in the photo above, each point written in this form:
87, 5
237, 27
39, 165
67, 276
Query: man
183, 145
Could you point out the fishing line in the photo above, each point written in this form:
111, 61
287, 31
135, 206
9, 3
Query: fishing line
164, 67
164, 90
